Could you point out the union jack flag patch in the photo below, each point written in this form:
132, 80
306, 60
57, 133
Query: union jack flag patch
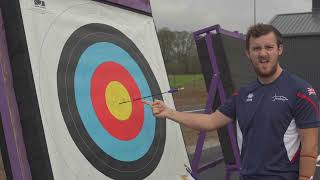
311, 91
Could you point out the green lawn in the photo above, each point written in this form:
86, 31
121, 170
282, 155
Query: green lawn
185, 79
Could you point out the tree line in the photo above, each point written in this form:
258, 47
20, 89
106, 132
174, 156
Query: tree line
179, 52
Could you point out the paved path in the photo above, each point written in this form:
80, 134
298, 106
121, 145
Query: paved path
216, 173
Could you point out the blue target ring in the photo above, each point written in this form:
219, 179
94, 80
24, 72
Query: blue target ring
88, 63
87, 48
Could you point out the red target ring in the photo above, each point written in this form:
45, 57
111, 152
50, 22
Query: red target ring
122, 129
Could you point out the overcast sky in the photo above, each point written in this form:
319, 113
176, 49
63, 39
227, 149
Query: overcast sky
233, 15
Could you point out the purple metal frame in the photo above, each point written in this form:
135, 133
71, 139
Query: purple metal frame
10, 116
215, 85
141, 5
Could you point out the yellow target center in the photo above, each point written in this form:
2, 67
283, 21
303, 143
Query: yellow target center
115, 94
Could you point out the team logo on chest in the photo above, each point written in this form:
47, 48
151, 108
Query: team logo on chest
279, 98
250, 97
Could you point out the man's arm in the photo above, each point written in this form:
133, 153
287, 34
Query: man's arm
308, 154
205, 122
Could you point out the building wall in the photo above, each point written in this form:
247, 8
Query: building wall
302, 57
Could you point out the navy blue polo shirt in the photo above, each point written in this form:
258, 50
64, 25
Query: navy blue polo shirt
268, 117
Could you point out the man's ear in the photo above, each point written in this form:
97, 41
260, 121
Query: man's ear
247, 53
280, 48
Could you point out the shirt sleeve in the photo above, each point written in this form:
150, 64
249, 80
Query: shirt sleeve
306, 109
228, 108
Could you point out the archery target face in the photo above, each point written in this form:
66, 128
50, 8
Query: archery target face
96, 73
89, 59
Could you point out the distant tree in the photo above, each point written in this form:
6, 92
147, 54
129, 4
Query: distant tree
179, 51
166, 39
186, 52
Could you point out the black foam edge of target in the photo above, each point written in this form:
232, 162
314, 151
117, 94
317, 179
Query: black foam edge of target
25, 92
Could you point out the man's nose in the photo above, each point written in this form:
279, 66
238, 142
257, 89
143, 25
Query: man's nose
263, 52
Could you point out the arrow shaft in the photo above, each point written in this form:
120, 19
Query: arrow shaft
136, 99
170, 91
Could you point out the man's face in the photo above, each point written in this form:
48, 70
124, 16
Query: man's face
264, 53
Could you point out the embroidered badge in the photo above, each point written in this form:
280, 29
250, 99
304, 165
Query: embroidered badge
250, 97
311, 91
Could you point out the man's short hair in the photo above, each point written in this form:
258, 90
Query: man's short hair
260, 29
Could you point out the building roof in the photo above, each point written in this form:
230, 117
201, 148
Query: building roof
307, 23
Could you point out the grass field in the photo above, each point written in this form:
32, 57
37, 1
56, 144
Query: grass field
185, 80
194, 93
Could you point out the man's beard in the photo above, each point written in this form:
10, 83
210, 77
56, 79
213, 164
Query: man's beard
262, 74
